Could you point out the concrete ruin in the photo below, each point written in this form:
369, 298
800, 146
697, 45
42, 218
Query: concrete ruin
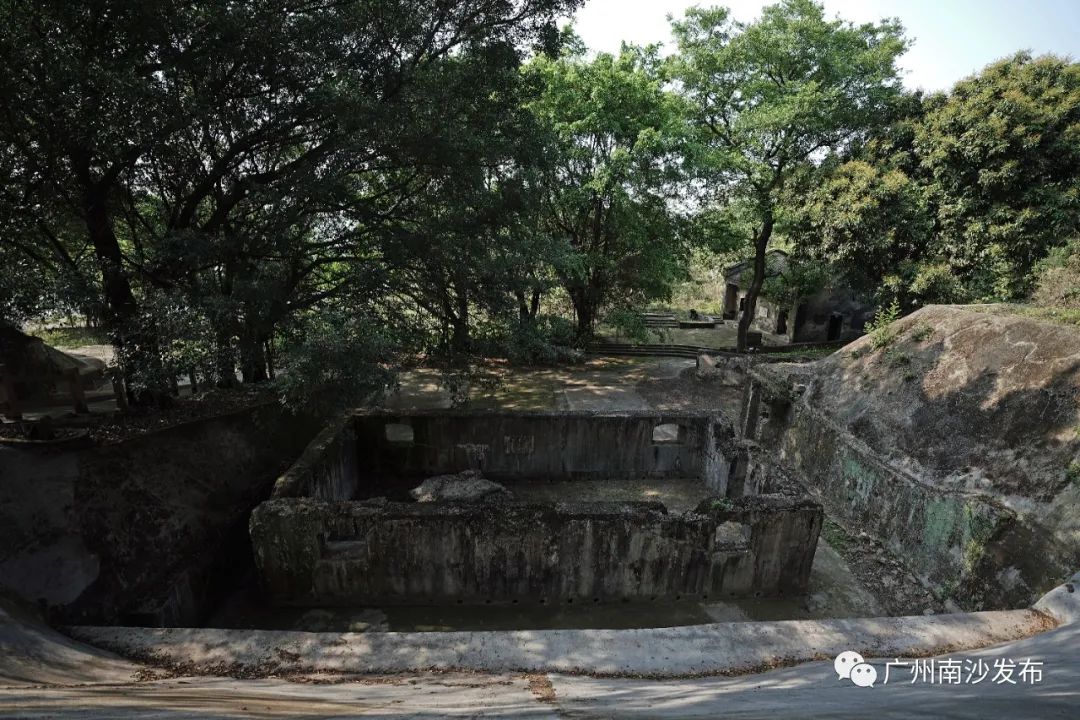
831, 314
954, 439
341, 529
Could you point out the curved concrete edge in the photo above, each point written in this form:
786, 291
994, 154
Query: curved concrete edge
1063, 602
32, 653
713, 649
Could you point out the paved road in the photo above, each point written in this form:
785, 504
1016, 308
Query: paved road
809, 690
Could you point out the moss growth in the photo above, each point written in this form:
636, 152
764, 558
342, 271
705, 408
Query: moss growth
837, 537
1072, 473
723, 504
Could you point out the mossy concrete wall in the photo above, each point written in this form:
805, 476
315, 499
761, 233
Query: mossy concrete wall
317, 553
946, 537
554, 445
954, 436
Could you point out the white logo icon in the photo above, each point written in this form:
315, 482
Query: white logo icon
864, 675
845, 661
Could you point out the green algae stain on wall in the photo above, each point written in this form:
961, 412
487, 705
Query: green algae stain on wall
939, 523
977, 530
863, 478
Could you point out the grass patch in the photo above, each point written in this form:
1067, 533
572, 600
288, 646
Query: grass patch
897, 358
922, 332
69, 337
1061, 316
723, 504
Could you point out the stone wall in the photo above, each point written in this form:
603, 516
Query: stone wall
541, 446
316, 553
139, 531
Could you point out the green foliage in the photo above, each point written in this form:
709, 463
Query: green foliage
1057, 278
1072, 473
612, 172
1002, 152
769, 96
881, 329
921, 332
629, 324
723, 504
335, 359
72, 337
547, 340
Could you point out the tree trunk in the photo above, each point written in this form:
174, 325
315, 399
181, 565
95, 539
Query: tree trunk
252, 358
136, 342
761, 247
584, 302
224, 357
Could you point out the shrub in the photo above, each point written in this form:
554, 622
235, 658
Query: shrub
1057, 278
880, 329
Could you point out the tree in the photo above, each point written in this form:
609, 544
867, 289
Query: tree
1002, 152
241, 154
773, 96
612, 180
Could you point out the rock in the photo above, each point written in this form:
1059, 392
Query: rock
466, 487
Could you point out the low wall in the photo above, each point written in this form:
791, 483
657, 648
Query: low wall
317, 553
327, 468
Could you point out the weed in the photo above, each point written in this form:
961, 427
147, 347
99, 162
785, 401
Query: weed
922, 332
881, 330
897, 358
723, 504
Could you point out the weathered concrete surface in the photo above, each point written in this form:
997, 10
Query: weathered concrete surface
539, 445
807, 690
664, 652
358, 553
420, 697
958, 443
32, 653
135, 531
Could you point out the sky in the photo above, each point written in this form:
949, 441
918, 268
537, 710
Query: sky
952, 39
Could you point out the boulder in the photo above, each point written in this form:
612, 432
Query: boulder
467, 487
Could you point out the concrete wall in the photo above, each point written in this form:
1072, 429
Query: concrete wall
943, 536
810, 320
327, 468
950, 538
540, 446
309, 551
139, 531
314, 553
